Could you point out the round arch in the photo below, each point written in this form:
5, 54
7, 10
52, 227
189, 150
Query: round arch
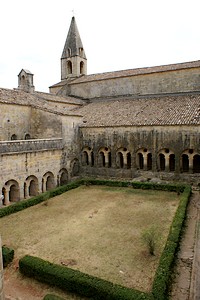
31, 186
48, 181
144, 159
63, 177
74, 167
104, 157
11, 191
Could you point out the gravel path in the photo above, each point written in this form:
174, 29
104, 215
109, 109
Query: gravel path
186, 285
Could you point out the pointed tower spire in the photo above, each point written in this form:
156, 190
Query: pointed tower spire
73, 60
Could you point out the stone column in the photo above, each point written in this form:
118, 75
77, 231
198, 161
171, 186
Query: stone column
106, 159
44, 180
1, 274
145, 161
125, 160
190, 164
166, 163
26, 192
6, 197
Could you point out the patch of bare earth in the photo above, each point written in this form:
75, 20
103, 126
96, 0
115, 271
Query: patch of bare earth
96, 230
17, 287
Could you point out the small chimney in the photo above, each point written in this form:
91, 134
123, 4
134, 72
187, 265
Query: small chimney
25, 81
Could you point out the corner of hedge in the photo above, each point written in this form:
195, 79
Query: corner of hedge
77, 282
89, 286
8, 255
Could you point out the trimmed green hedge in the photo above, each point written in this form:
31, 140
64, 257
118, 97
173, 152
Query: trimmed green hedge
163, 273
8, 255
52, 297
90, 286
137, 185
76, 282
23, 204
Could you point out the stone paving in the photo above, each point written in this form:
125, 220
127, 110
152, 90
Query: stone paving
186, 284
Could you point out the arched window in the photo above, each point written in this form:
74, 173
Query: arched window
196, 163
92, 158
121, 160
149, 161
33, 188
13, 137
27, 136
68, 52
102, 161
69, 67
162, 161
63, 177
50, 182
23, 80
128, 160
185, 163
140, 161
172, 163
13, 193
81, 67
85, 158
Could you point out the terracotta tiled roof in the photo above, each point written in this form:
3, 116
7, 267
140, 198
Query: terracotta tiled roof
60, 83
163, 110
43, 101
138, 71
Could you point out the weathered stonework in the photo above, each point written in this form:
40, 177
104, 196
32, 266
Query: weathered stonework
141, 124
154, 140
142, 83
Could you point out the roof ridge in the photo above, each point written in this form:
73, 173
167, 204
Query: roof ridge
136, 71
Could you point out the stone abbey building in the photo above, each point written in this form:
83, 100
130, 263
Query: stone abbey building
124, 124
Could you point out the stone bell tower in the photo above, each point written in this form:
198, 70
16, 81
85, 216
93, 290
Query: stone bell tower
73, 60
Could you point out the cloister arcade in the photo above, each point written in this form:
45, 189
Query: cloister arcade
13, 190
164, 161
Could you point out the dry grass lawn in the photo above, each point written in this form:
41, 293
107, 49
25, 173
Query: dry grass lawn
96, 230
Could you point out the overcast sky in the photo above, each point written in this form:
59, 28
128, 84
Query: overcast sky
116, 35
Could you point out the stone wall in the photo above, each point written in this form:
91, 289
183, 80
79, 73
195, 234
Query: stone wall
44, 124
15, 119
20, 120
148, 141
185, 80
18, 166
30, 145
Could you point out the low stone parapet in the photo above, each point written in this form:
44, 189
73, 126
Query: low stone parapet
30, 145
